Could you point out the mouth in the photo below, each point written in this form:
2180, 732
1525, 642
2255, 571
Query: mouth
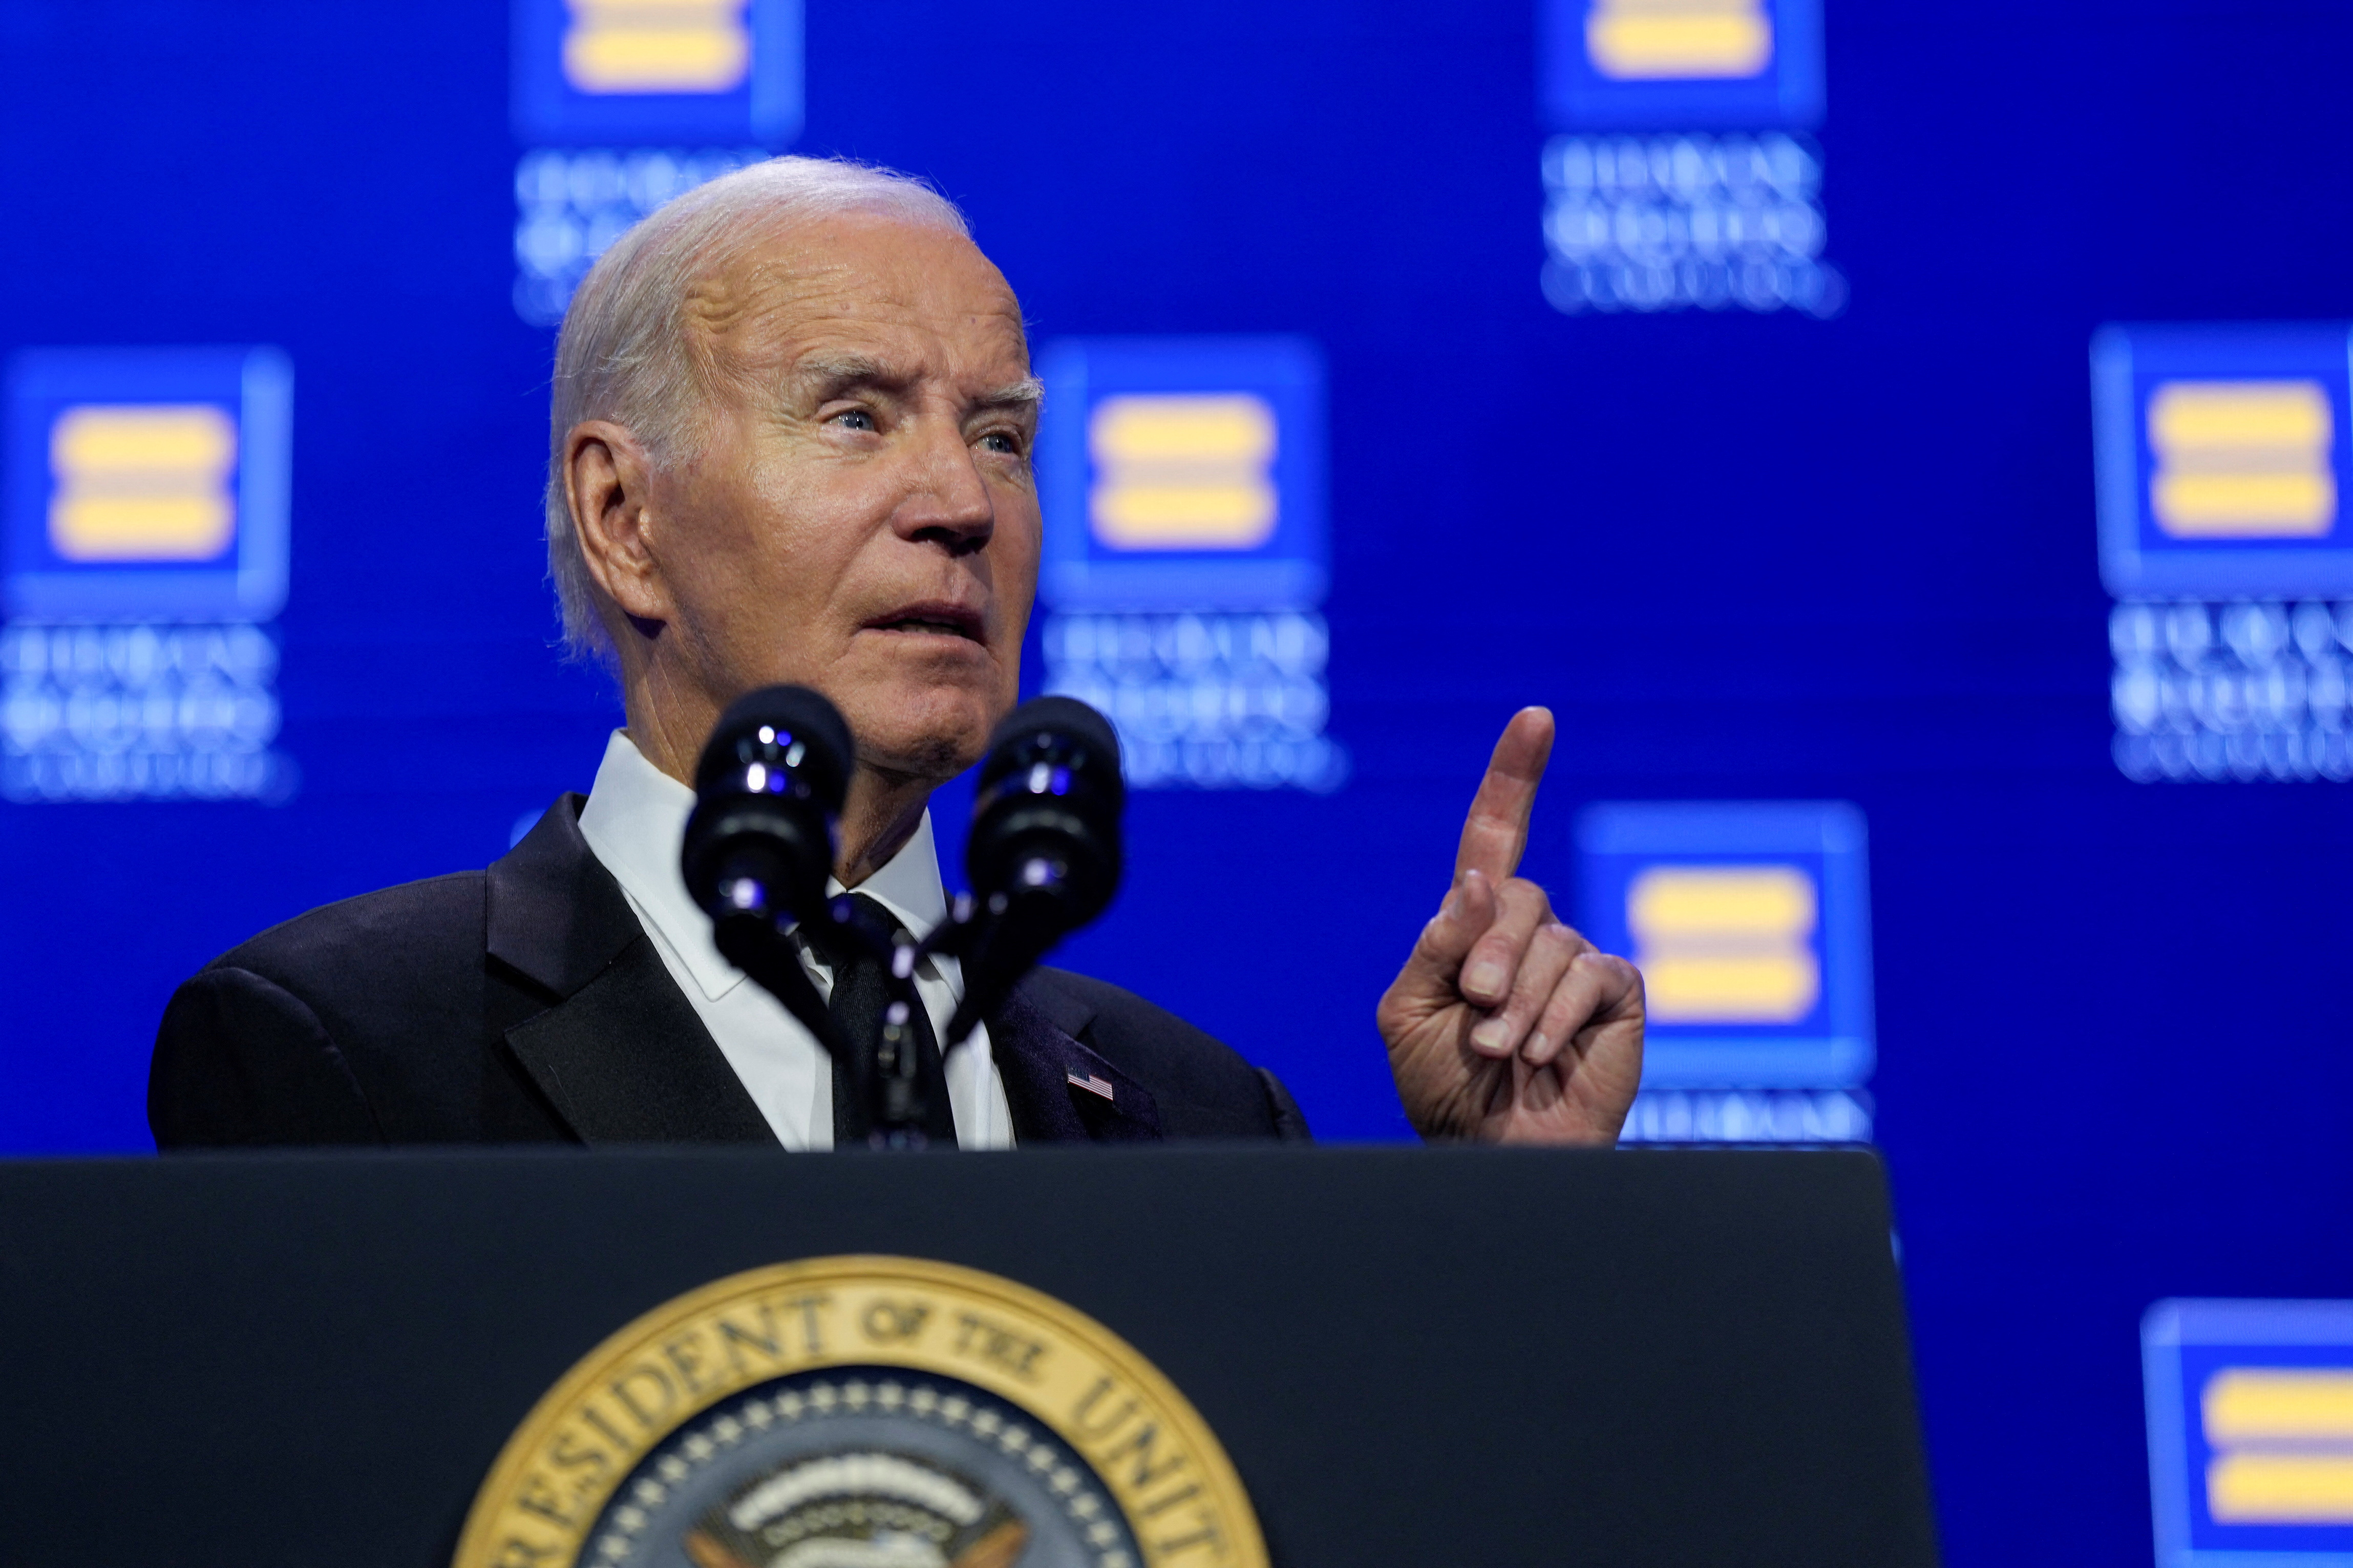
936, 620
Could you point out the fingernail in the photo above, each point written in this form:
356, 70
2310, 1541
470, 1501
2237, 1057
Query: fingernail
1534, 1051
1489, 1035
1485, 978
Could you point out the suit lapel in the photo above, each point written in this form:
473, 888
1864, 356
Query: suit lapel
626, 1060
1060, 1090
619, 1052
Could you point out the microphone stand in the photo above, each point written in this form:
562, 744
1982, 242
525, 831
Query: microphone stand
756, 945
898, 1106
760, 945
998, 941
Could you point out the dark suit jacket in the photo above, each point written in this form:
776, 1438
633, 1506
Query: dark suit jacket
524, 1004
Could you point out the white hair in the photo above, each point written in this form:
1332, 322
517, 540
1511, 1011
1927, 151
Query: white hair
625, 352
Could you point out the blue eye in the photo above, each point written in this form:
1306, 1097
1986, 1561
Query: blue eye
856, 419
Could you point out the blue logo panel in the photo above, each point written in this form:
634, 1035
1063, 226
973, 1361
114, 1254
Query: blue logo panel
2224, 458
1183, 474
615, 71
1751, 925
1634, 65
2251, 1433
148, 484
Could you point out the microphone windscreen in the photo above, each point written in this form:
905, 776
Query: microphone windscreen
1082, 739
1043, 852
770, 723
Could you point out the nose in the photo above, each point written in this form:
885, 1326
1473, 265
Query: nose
947, 501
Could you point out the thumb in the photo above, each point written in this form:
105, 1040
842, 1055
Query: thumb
1470, 907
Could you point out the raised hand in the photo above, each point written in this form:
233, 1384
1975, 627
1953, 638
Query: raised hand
1506, 1026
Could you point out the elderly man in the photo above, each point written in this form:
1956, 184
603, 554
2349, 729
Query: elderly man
791, 443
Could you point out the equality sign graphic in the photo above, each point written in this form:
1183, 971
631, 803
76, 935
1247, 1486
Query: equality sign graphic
1184, 474
148, 483
1750, 922
2250, 1431
2223, 458
656, 70
1678, 64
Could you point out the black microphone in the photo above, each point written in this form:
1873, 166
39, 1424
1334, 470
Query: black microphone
770, 782
759, 846
1044, 850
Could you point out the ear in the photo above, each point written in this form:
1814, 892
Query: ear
608, 484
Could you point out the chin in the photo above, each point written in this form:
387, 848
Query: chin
930, 732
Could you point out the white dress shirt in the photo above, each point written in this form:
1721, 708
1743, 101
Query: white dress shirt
634, 822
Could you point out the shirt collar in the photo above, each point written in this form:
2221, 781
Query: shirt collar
634, 821
908, 884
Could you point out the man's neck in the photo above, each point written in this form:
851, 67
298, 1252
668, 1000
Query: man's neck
881, 813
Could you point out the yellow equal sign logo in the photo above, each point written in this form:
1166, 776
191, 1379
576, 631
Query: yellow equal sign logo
2243, 459
657, 46
1678, 40
143, 481
1726, 944
2283, 1443
1183, 472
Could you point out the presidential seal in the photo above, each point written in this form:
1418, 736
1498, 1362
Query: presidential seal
863, 1413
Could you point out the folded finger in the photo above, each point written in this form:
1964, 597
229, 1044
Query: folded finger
1550, 949
1488, 971
1467, 914
1595, 986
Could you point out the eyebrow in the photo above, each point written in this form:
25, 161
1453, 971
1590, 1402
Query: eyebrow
838, 372
1027, 392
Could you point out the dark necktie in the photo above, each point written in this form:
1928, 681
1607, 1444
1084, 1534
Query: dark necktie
862, 990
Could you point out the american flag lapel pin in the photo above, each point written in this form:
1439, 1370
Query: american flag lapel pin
1091, 1085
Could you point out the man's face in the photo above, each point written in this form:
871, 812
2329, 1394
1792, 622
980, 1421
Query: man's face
861, 517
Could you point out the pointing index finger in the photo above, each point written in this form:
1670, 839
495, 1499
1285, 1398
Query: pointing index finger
1495, 834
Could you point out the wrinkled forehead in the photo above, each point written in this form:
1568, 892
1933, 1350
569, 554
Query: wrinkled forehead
920, 298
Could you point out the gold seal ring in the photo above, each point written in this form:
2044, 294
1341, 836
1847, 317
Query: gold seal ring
637, 1412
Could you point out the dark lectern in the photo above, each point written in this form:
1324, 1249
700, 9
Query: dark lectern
1448, 1357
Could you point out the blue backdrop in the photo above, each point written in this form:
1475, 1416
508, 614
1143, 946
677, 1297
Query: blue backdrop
1742, 554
